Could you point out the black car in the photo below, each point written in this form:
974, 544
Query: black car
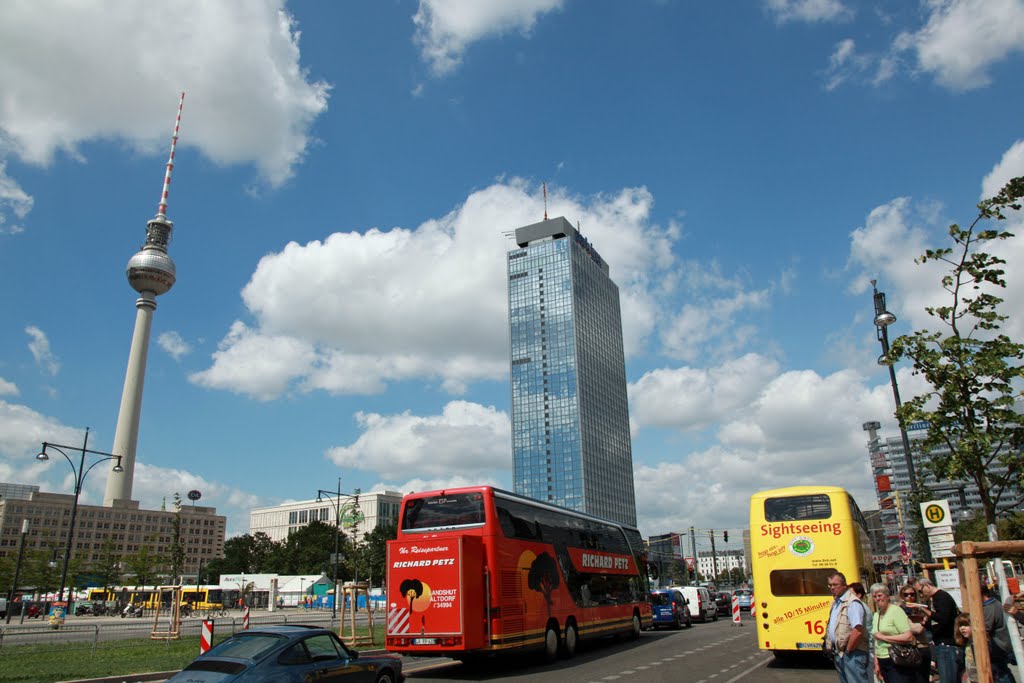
288, 654
723, 603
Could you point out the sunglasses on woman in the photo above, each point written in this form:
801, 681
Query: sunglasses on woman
909, 595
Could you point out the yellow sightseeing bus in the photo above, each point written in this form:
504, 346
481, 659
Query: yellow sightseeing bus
798, 537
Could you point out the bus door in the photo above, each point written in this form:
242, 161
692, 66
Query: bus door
435, 593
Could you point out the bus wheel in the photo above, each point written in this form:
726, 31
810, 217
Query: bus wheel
571, 638
551, 643
636, 626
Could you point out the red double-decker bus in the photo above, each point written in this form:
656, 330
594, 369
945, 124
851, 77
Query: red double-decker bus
480, 570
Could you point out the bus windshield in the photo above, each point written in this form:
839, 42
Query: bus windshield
432, 512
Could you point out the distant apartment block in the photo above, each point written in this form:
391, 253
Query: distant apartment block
128, 528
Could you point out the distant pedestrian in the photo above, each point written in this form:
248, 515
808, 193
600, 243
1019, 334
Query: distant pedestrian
890, 626
915, 613
942, 612
846, 635
1000, 648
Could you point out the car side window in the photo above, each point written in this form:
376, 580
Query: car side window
296, 654
321, 647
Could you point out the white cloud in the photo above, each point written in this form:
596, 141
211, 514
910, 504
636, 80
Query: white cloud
437, 483
174, 344
40, 348
962, 39
248, 100
1010, 166
153, 485
23, 430
13, 199
709, 329
445, 28
358, 310
808, 10
693, 398
8, 388
260, 366
901, 230
792, 428
477, 443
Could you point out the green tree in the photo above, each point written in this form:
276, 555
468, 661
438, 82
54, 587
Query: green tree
145, 565
40, 570
308, 550
177, 549
973, 370
7, 573
108, 567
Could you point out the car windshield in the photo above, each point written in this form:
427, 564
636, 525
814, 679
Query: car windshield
742, 592
246, 646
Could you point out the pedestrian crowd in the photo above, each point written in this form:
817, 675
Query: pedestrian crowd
917, 636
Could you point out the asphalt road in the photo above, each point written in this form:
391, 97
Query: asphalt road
717, 652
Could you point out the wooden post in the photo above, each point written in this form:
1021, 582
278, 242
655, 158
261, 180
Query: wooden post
972, 602
173, 631
353, 591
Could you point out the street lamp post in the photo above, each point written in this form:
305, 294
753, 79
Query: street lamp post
336, 496
17, 570
883, 319
80, 473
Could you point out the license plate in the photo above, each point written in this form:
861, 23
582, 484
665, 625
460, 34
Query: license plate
424, 641
809, 646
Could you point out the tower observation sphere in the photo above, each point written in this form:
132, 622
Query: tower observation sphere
151, 269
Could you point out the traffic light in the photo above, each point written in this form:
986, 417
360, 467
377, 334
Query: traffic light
725, 536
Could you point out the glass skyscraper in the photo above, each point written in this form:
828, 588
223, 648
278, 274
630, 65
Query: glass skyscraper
570, 417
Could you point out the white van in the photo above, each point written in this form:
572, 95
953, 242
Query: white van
702, 605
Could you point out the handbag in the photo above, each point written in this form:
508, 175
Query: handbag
906, 656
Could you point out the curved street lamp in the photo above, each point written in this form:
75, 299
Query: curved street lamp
80, 473
335, 497
883, 318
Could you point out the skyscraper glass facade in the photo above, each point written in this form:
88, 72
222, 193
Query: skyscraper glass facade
570, 417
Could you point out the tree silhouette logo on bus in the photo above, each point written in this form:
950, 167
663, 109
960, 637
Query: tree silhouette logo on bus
801, 546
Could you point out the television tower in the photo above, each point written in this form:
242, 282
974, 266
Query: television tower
150, 273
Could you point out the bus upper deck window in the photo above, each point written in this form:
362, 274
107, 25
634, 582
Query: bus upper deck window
797, 508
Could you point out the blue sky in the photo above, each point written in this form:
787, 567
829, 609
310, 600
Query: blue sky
345, 180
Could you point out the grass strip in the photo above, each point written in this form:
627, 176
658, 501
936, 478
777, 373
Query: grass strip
71, 661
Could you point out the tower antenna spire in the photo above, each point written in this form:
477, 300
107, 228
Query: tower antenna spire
161, 211
545, 186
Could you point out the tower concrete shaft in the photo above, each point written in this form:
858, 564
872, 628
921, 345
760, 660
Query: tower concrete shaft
126, 438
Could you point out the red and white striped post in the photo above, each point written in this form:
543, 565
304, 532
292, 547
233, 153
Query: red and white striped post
736, 620
245, 618
206, 636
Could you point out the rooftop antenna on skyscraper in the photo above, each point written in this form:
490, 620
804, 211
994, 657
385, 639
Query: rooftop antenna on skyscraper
545, 186
161, 211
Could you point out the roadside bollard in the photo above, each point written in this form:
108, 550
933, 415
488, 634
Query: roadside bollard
245, 618
736, 619
206, 636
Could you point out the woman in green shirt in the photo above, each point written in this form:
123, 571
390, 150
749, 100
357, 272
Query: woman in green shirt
889, 625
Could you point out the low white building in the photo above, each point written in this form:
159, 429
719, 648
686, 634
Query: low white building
727, 560
360, 514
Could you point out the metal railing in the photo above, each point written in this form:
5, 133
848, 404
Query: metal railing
84, 634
